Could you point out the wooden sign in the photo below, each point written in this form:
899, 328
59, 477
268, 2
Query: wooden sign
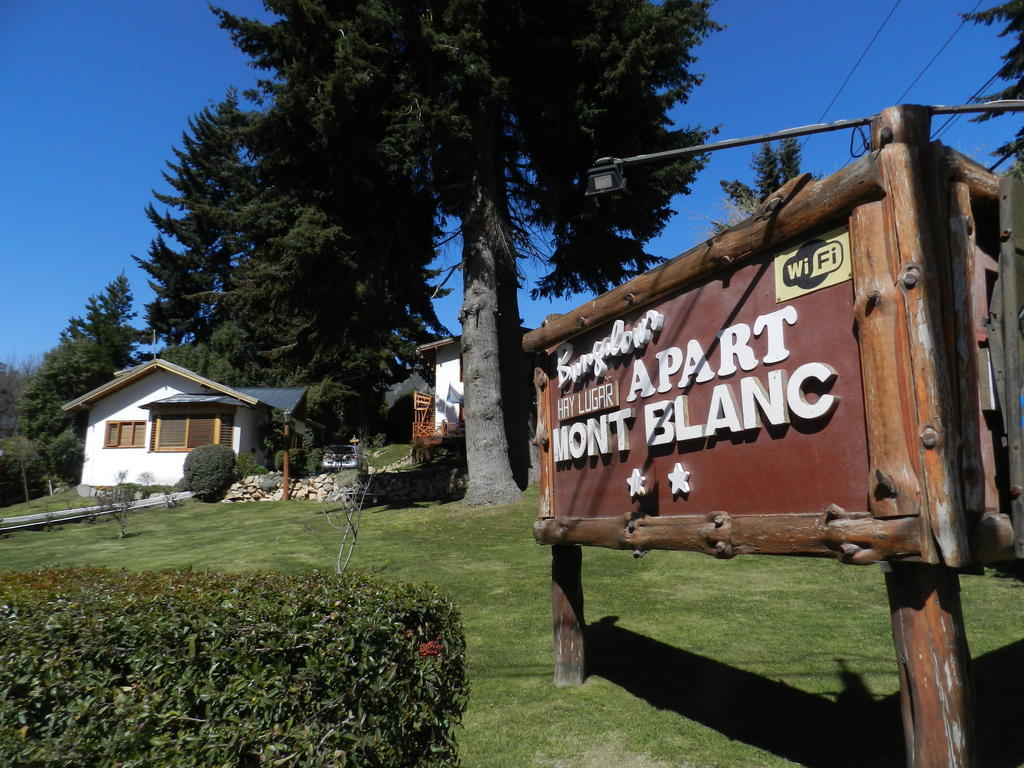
810, 382
837, 376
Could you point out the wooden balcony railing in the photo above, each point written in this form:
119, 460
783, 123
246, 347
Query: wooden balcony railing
423, 427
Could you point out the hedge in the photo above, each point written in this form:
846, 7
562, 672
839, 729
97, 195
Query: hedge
175, 668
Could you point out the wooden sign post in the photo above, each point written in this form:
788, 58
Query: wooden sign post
820, 380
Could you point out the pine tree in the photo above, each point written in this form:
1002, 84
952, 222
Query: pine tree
386, 119
1012, 14
320, 268
200, 238
773, 166
789, 160
767, 170
107, 324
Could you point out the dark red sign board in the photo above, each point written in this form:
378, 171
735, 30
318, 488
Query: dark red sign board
760, 434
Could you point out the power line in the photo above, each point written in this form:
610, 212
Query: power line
859, 60
953, 118
942, 47
856, 64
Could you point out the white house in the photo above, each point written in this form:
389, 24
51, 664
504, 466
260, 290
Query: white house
440, 417
149, 417
445, 358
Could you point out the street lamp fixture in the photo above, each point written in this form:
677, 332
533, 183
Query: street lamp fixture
607, 173
606, 176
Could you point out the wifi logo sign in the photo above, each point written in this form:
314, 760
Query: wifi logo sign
813, 262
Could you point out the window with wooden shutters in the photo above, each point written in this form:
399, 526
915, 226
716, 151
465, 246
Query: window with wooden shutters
125, 434
170, 433
201, 430
227, 422
183, 432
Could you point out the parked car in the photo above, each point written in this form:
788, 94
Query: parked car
343, 457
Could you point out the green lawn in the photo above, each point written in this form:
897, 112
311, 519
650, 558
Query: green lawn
693, 661
58, 502
378, 458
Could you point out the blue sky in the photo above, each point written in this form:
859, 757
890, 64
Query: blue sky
96, 94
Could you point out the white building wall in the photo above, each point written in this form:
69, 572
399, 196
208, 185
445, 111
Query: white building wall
246, 434
448, 374
102, 465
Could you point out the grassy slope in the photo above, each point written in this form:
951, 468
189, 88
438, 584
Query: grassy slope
378, 458
58, 502
694, 662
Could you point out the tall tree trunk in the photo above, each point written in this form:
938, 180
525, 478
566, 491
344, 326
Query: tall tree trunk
516, 375
487, 250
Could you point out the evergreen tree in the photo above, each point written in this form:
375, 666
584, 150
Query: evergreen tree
227, 358
1012, 14
773, 166
789, 160
107, 324
319, 269
338, 282
383, 119
518, 139
200, 239
70, 369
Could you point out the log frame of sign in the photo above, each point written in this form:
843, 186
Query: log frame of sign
909, 210
856, 538
902, 307
914, 216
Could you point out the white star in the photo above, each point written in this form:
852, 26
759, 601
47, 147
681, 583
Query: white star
680, 479
636, 483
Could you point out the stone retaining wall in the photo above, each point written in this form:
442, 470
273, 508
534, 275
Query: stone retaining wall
384, 487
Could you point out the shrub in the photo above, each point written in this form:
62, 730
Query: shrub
209, 471
247, 466
181, 668
297, 461
117, 502
315, 459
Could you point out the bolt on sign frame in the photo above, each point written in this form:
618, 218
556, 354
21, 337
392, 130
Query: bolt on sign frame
837, 376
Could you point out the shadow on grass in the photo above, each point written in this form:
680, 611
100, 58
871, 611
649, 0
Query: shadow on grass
399, 506
855, 730
998, 684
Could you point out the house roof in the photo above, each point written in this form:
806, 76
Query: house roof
249, 396
439, 343
452, 340
191, 399
282, 398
